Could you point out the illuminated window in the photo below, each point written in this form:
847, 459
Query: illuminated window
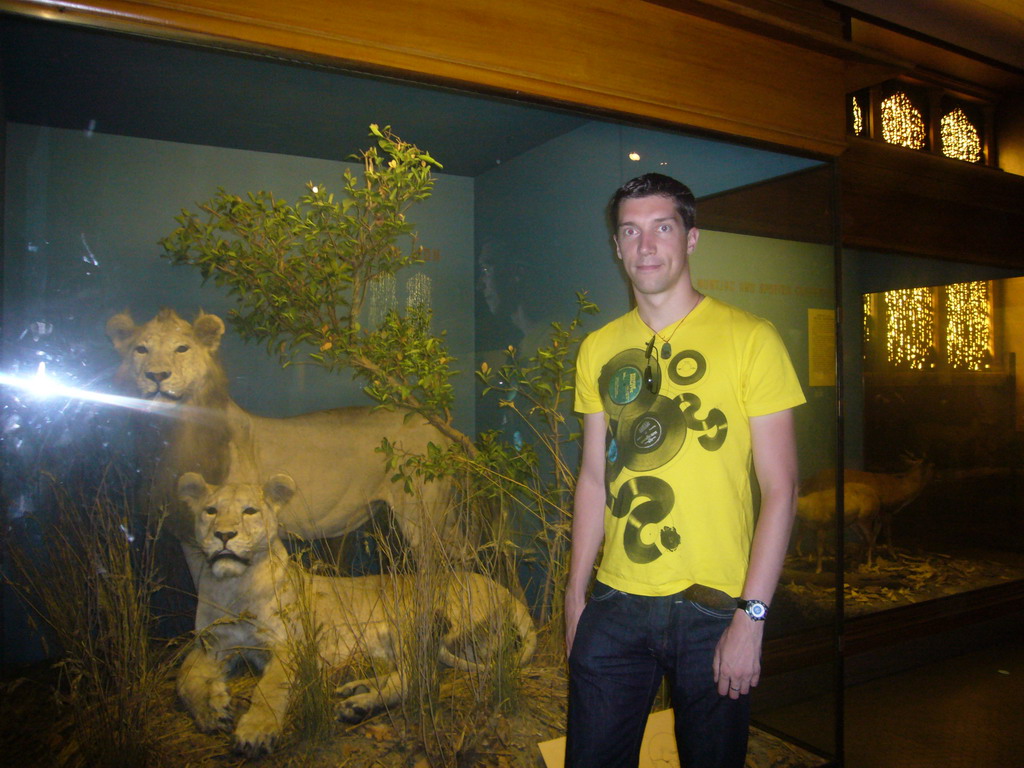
960, 139
909, 333
902, 123
858, 117
968, 325
925, 117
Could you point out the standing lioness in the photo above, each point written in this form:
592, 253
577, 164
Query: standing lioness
251, 596
331, 454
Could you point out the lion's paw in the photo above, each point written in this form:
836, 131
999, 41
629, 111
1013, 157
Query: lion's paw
353, 688
214, 714
214, 721
352, 712
356, 707
256, 733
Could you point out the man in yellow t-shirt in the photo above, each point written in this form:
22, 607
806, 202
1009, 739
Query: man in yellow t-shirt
679, 397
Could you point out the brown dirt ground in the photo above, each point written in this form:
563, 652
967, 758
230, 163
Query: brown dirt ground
35, 733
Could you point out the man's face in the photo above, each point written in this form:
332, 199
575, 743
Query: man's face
654, 244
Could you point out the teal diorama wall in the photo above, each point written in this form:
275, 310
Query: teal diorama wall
85, 212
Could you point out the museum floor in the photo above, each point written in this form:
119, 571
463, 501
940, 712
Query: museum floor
958, 712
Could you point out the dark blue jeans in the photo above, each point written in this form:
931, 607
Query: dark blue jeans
624, 646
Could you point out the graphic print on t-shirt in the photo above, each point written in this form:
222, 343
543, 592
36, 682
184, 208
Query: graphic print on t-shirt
646, 431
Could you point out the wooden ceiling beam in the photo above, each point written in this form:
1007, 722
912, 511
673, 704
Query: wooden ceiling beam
624, 57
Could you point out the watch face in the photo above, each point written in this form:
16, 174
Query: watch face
756, 610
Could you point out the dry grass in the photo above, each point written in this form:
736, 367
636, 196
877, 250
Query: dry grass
109, 700
448, 717
91, 584
32, 734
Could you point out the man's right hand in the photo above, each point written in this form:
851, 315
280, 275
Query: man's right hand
574, 606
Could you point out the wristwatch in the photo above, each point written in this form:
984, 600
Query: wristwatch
755, 609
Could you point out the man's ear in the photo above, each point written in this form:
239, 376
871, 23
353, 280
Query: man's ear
618, 251
691, 240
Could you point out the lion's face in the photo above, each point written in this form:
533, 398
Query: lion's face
168, 358
236, 524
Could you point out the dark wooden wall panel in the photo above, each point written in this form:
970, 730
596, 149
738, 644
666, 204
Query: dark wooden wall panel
797, 206
900, 200
891, 199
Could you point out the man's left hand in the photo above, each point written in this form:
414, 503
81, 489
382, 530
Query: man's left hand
737, 663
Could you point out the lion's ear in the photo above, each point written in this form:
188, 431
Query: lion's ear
208, 330
120, 329
279, 489
192, 487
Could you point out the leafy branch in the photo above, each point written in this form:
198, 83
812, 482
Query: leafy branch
535, 477
536, 390
300, 274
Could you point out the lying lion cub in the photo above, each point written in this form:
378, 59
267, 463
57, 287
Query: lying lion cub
250, 595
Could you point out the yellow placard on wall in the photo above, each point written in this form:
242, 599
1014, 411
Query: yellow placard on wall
821, 347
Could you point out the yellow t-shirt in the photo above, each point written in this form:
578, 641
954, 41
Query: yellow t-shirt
679, 509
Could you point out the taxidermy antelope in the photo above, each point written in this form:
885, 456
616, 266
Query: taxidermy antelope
861, 505
895, 490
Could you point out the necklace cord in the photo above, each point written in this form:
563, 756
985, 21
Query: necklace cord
666, 343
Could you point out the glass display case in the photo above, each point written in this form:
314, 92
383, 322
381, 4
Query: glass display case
937, 427
107, 138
